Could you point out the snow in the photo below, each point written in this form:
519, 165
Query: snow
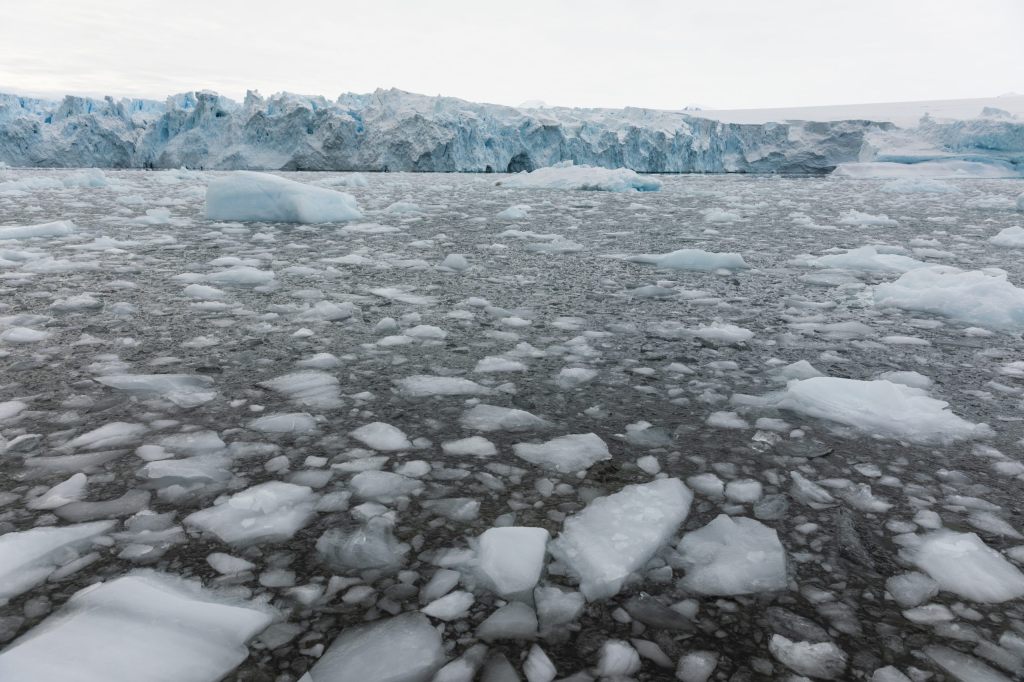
118, 630
879, 408
404, 648
60, 228
974, 297
269, 512
732, 555
961, 563
251, 196
568, 176
615, 535
382, 437
692, 259
511, 558
28, 557
565, 454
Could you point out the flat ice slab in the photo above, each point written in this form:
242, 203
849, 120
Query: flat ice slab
879, 408
567, 176
565, 454
269, 512
184, 390
733, 556
511, 558
28, 557
405, 648
250, 196
692, 259
983, 298
617, 534
963, 564
145, 626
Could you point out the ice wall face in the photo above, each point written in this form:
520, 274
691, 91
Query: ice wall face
400, 131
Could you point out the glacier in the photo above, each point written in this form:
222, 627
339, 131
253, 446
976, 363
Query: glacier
393, 130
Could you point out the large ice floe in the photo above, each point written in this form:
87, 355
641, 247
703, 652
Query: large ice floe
733, 556
983, 298
246, 195
569, 176
879, 407
117, 631
615, 535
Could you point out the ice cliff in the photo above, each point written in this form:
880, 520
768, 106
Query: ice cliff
400, 131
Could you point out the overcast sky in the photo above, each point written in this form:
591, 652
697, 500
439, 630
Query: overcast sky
651, 53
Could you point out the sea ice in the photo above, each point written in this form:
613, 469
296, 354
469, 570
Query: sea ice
184, 390
733, 555
422, 386
382, 437
565, 454
488, 418
60, 228
692, 259
310, 388
568, 176
963, 564
511, 558
982, 298
269, 512
822, 660
617, 534
405, 648
147, 625
880, 408
28, 557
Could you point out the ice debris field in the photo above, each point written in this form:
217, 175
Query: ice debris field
571, 424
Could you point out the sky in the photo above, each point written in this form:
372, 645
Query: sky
595, 53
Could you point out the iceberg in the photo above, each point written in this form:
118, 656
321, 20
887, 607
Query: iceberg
251, 196
566, 175
976, 297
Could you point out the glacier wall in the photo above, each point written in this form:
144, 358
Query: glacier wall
400, 131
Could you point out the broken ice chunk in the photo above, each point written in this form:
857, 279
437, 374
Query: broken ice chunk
184, 390
269, 512
962, 563
28, 557
566, 454
512, 557
116, 631
617, 534
405, 648
732, 556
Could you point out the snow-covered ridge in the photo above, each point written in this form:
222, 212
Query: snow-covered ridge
400, 131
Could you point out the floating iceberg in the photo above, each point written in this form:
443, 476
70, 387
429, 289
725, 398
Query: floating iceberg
250, 196
867, 259
983, 298
565, 454
60, 228
692, 259
569, 176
